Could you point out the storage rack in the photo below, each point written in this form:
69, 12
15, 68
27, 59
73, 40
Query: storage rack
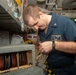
18, 48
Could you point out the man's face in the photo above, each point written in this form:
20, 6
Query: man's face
38, 23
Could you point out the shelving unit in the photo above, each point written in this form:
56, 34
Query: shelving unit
17, 49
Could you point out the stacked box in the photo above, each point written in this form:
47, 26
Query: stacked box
4, 38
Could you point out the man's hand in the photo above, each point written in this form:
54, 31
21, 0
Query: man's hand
45, 47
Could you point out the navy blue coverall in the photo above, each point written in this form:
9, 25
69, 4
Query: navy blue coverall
61, 29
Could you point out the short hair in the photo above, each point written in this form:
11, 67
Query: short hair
30, 11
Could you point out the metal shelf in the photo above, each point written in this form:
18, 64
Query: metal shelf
4, 4
10, 16
18, 48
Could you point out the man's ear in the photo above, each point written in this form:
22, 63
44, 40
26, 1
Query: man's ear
41, 14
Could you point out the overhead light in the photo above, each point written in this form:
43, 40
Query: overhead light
74, 19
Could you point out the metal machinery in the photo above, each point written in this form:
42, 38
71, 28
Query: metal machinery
59, 6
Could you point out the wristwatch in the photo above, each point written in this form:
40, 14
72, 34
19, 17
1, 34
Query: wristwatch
53, 44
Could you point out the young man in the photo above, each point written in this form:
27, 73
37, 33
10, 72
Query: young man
58, 38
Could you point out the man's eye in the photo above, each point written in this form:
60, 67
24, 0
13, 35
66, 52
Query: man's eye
36, 23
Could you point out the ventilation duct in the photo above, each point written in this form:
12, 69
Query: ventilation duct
69, 4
